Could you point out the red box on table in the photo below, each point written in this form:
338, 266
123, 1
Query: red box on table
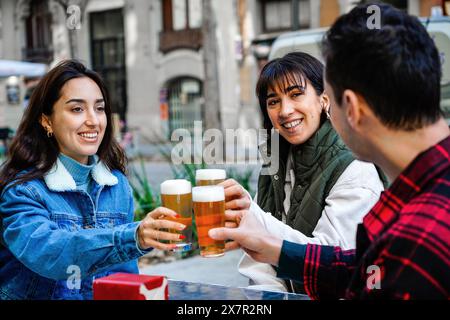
128, 286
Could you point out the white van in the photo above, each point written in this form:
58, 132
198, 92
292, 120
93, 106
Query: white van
308, 41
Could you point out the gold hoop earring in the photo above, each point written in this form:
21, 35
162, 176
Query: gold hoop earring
49, 134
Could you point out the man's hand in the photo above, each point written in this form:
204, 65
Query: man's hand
252, 237
149, 233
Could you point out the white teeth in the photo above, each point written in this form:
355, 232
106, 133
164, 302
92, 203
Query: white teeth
89, 135
292, 124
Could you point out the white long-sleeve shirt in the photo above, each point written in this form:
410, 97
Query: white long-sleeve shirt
350, 199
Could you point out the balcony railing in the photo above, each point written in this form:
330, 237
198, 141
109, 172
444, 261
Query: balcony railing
42, 55
180, 39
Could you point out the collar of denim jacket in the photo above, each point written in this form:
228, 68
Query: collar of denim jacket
59, 179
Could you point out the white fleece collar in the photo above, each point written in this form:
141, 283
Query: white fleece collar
59, 179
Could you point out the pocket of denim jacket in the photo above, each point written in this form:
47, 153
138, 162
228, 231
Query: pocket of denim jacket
111, 219
67, 221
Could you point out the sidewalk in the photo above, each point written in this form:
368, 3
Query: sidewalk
221, 271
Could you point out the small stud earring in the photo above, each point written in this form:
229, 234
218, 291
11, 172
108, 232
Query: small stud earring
49, 133
327, 111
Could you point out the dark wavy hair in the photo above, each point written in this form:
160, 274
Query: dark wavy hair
32, 154
293, 68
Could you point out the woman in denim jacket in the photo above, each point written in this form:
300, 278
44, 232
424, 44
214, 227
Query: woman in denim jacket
66, 206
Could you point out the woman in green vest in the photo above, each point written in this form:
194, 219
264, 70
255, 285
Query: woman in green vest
320, 192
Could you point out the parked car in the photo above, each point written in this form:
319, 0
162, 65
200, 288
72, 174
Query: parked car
308, 41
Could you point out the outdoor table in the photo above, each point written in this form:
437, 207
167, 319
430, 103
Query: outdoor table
183, 290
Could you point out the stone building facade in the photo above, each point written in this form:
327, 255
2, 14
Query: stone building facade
150, 52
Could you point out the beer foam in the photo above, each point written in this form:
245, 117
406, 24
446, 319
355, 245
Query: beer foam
208, 194
177, 186
210, 174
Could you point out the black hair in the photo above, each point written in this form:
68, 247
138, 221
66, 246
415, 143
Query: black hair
293, 68
396, 68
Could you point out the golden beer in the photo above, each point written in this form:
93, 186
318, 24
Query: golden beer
176, 195
209, 177
209, 210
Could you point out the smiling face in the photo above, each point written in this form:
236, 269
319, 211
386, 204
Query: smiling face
78, 120
295, 110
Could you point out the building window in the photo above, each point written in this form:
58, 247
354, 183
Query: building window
182, 21
277, 15
182, 14
108, 55
38, 33
399, 4
185, 103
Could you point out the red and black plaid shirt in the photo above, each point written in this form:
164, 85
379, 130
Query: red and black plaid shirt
402, 248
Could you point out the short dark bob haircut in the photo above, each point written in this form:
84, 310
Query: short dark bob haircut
292, 69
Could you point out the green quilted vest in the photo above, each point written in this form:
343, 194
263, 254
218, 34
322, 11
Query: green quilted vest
317, 164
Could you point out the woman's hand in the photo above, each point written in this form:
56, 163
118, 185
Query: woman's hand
149, 233
236, 198
252, 236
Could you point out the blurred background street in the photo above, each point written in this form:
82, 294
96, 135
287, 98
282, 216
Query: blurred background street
168, 63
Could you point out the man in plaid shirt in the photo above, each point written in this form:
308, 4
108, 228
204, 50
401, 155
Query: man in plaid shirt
384, 84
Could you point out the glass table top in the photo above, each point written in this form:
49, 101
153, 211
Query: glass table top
182, 290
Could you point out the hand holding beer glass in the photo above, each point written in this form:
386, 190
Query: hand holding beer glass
176, 195
209, 210
236, 198
150, 232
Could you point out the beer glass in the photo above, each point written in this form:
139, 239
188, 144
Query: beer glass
176, 195
209, 210
209, 177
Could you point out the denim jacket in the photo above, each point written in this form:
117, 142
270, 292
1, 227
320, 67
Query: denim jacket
56, 240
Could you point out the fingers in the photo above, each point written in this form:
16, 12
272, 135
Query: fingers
228, 183
238, 204
235, 191
158, 245
162, 212
231, 245
218, 234
150, 231
221, 233
229, 224
150, 224
159, 235
164, 224
234, 215
236, 197
151, 238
